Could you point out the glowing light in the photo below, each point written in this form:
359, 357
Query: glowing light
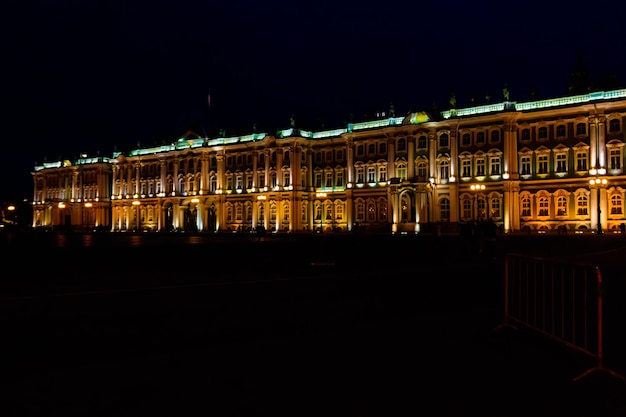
88, 205
136, 202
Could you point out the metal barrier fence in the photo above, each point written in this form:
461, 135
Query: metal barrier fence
560, 299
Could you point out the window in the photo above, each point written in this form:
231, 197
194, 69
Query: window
581, 205
371, 149
329, 180
495, 136
422, 142
339, 212
616, 204
525, 165
466, 168
444, 209
526, 211
495, 207
382, 173
615, 158
581, 161
581, 129
542, 164
286, 179
480, 138
360, 175
401, 171
422, 169
360, 150
544, 206
561, 206
371, 174
467, 209
371, 212
480, 167
542, 133
339, 178
525, 135
401, 145
614, 125
444, 141
329, 156
382, 148
360, 211
339, 155
561, 162
318, 179
495, 165
466, 139
560, 131
262, 179
444, 170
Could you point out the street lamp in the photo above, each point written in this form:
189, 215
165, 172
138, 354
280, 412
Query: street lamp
476, 188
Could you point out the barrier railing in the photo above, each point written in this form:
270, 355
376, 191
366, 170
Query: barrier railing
560, 299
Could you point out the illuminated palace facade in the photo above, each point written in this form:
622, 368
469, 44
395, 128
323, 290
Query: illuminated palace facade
549, 165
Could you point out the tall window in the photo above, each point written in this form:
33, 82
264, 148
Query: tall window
480, 167
444, 140
382, 173
561, 162
339, 178
422, 142
542, 164
318, 179
467, 209
371, 174
616, 204
329, 180
615, 159
544, 206
525, 165
401, 171
561, 206
444, 209
495, 165
444, 170
422, 169
582, 204
466, 168
581, 161
360, 175
526, 209
495, 207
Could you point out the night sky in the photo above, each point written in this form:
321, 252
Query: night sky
98, 76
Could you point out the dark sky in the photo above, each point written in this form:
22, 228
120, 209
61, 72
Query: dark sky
94, 76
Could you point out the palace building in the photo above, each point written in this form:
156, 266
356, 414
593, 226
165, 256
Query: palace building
538, 166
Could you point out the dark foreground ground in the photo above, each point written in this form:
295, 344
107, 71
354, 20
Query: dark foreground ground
299, 326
